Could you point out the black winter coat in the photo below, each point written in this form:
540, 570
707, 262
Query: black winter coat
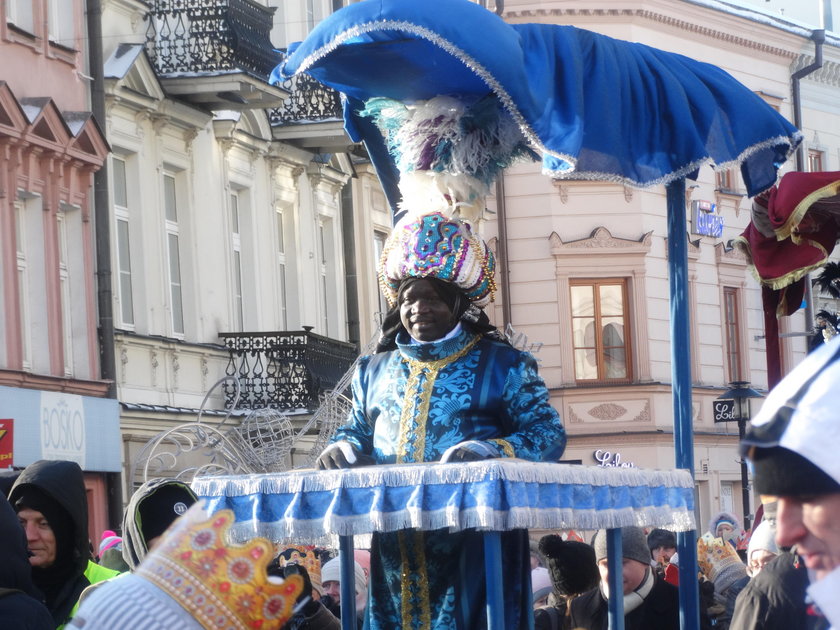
775, 599
65, 482
659, 611
20, 601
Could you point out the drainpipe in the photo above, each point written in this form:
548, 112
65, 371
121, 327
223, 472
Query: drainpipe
102, 235
504, 269
818, 37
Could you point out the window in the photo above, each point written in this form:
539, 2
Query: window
281, 268
23, 285
599, 325
62, 23
815, 160
20, 14
727, 180
173, 254
64, 283
732, 331
236, 265
121, 215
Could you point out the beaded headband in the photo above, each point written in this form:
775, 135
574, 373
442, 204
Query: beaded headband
220, 585
436, 246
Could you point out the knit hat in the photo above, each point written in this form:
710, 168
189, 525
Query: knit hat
633, 545
719, 562
571, 564
164, 505
331, 572
540, 583
434, 245
792, 439
763, 537
725, 518
109, 539
661, 538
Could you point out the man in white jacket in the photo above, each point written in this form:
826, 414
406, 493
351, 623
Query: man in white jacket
793, 445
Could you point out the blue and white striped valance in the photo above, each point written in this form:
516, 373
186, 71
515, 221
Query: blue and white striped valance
308, 506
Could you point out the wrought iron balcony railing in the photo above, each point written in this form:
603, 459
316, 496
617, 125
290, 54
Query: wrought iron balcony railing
308, 101
284, 370
186, 36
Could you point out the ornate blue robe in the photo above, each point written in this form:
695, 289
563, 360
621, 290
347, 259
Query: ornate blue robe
410, 405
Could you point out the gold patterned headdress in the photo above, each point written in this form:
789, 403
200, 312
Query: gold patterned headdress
220, 585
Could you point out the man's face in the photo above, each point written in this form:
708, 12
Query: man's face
661, 555
632, 573
40, 538
424, 314
812, 523
333, 589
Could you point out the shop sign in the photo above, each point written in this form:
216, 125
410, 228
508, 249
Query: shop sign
704, 220
7, 443
606, 459
63, 427
724, 410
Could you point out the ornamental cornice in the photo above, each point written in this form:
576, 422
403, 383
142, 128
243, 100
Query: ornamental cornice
565, 16
728, 255
600, 239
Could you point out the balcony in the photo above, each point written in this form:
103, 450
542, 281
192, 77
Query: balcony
311, 117
216, 55
284, 370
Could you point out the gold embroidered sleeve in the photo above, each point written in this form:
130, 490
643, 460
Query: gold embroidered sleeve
506, 447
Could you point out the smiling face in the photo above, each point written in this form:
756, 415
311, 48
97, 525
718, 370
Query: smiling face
40, 538
423, 312
812, 523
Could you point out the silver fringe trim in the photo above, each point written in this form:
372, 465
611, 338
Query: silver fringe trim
527, 131
401, 475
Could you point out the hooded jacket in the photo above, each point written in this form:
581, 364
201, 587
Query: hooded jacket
22, 608
64, 483
135, 546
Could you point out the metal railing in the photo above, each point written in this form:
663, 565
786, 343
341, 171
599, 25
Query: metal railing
309, 100
210, 36
284, 370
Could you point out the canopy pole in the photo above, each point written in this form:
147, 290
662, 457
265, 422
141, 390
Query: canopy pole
681, 390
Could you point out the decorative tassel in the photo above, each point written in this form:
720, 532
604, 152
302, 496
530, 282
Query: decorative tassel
448, 151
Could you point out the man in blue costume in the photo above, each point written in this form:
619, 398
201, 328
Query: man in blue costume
443, 386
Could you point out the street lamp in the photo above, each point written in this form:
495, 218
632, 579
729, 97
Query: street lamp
734, 405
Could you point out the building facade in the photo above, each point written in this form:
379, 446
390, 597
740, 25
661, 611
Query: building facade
586, 264
242, 225
53, 402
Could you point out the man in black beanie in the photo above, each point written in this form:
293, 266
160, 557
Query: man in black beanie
650, 603
792, 444
51, 504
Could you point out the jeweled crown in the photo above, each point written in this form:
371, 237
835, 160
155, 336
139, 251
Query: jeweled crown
221, 585
714, 554
437, 246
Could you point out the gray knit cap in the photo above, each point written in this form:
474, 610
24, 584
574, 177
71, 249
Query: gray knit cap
633, 544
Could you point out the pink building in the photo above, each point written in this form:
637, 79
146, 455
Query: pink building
50, 148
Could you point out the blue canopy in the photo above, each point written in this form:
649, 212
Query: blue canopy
596, 107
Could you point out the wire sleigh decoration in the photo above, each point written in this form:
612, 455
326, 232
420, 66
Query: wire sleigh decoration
264, 441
